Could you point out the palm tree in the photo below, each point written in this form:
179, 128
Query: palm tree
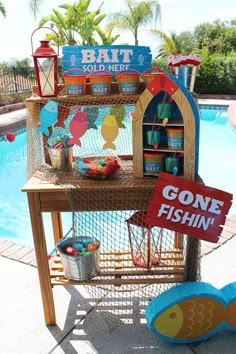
35, 6
183, 43
2, 9
136, 15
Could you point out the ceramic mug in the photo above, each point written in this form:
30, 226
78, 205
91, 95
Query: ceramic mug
171, 164
153, 136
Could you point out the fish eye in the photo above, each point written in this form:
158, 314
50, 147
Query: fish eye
172, 315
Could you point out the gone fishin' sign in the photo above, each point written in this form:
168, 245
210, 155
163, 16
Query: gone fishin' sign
188, 207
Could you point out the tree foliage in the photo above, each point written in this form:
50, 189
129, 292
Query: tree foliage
78, 25
135, 16
2, 9
184, 43
217, 37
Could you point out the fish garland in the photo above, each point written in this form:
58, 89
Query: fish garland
109, 131
78, 127
192, 312
48, 116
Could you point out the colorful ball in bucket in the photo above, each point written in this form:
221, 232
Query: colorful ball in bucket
10, 137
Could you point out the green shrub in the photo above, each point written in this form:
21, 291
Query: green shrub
216, 75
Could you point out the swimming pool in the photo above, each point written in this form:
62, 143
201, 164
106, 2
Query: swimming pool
216, 166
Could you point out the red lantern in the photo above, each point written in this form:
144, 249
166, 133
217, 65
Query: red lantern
145, 241
45, 66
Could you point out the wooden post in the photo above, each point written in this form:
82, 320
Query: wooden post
41, 257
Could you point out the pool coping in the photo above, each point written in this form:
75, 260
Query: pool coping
26, 255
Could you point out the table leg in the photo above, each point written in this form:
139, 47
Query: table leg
41, 257
57, 226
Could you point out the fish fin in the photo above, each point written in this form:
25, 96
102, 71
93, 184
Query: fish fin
109, 146
74, 141
121, 125
43, 129
92, 126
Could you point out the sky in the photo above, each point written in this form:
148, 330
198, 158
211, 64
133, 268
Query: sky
177, 15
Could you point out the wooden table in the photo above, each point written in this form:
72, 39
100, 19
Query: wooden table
46, 196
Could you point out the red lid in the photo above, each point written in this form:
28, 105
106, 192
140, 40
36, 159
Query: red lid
154, 154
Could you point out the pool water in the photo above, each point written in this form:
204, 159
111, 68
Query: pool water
216, 167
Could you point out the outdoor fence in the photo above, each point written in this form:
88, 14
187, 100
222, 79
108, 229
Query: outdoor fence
15, 80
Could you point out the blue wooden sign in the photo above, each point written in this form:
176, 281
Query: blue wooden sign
113, 58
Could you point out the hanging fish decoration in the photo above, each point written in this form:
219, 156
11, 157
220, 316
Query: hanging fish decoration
48, 116
92, 115
63, 113
78, 127
110, 131
192, 312
118, 110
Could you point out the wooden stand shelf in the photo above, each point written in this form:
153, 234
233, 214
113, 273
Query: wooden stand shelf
116, 268
128, 190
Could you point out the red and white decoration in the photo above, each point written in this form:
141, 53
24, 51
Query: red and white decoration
183, 59
188, 207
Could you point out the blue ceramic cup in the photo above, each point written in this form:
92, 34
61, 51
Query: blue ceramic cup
171, 164
153, 136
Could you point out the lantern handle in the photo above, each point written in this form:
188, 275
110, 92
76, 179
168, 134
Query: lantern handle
49, 29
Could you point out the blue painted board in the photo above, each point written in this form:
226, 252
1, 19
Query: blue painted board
113, 58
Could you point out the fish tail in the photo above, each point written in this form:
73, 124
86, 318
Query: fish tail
109, 145
93, 126
229, 314
74, 141
121, 125
43, 130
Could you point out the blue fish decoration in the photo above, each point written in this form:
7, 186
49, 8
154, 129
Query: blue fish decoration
192, 312
48, 116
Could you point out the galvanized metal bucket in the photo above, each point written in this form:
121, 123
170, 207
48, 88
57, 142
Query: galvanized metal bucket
61, 158
79, 267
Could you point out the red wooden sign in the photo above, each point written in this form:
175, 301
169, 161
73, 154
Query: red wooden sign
162, 83
188, 207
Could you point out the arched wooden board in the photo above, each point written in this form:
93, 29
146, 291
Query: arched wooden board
195, 113
192, 312
163, 83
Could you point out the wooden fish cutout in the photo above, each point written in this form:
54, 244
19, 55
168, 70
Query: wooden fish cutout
192, 312
78, 127
110, 131
92, 115
118, 110
48, 116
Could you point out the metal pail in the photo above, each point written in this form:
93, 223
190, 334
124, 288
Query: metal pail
61, 158
79, 267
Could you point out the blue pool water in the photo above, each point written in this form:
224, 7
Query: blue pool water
216, 167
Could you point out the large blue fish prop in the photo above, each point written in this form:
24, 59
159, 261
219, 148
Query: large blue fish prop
48, 116
192, 312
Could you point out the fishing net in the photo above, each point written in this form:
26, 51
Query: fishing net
136, 261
